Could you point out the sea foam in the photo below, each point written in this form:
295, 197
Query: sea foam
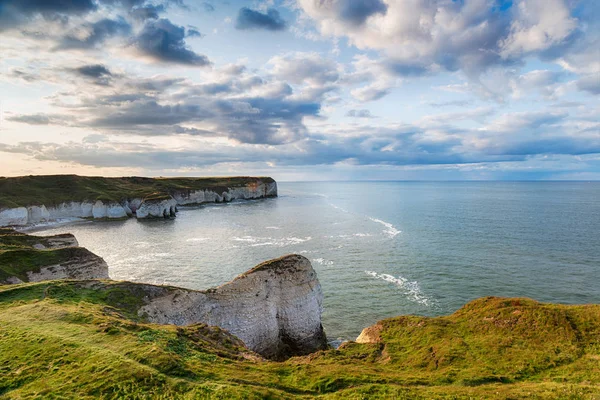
390, 230
410, 288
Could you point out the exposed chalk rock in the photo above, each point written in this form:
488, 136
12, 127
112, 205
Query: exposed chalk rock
14, 217
161, 208
82, 264
37, 214
275, 308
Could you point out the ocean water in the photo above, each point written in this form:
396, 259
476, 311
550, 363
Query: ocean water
380, 248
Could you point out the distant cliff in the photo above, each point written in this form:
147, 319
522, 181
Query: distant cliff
33, 199
26, 258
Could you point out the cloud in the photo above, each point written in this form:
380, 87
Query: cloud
538, 25
248, 19
305, 67
146, 12
590, 83
353, 12
40, 119
164, 42
208, 7
364, 113
16, 12
93, 71
91, 35
420, 37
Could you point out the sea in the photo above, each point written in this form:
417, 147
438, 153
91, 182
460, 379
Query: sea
380, 249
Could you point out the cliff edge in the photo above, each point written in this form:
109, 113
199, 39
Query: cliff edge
26, 258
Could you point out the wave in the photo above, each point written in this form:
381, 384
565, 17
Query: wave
390, 230
255, 241
322, 261
410, 288
198, 239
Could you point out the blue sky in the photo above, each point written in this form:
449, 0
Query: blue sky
301, 89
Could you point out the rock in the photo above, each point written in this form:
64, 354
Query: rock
37, 214
14, 217
81, 264
73, 209
275, 308
371, 334
157, 208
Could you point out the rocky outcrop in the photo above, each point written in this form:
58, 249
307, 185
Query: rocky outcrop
157, 208
80, 264
158, 205
275, 308
26, 258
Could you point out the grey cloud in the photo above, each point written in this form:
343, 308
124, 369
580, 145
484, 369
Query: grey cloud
364, 113
357, 11
208, 7
93, 71
40, 119
146, 12
248, 19
99, 32
16, 12
589, 83
164, 42
193, 32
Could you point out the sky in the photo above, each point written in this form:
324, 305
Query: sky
302, 89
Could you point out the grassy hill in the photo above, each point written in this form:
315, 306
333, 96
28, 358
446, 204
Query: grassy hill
68, 339
55, 189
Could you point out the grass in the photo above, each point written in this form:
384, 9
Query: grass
18, 255
56, 189
66, 339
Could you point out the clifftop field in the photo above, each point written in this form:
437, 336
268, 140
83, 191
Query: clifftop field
56, 189
58, 340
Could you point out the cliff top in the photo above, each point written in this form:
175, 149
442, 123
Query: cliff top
55, 189
492, 347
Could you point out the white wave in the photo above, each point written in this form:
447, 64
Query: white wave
245, 239
410, 288
322, 261
270, 241
362, 234
198, 239
390, 230
338, 207
272, 227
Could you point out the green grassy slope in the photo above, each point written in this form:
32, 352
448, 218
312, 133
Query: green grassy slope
66, 339
55, 189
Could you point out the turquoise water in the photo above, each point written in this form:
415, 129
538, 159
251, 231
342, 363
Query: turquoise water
380, 248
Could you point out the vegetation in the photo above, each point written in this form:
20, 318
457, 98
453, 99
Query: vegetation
67, 339
56, 189
21, 253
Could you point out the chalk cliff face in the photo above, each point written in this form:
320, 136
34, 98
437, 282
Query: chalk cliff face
275, 308
141, 208
81, 264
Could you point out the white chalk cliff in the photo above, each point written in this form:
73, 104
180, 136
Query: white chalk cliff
136, 207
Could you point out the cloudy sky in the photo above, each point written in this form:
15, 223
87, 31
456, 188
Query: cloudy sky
301, 89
